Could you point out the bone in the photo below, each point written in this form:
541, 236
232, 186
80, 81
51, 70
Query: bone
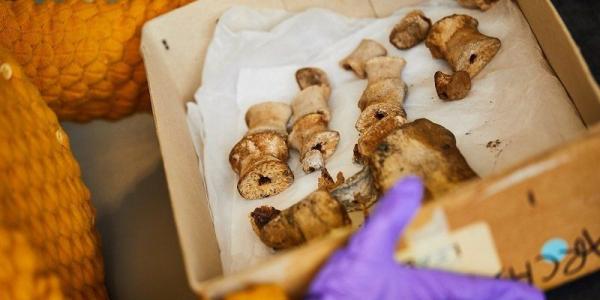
384, 67
384, 82
456, 39
383, 119
314, 216
357, 192
452, 87
420, 148
388, 147
260, 157
377, 112
309, 133
384, 94
311, 100
411, 30
366, 50
371, 138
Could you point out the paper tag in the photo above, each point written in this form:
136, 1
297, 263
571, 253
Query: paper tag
469, 249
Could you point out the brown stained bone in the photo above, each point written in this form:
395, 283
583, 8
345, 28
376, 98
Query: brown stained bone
356, 157
411, 30
452, 87
377, 112
259, 158
384, 94
370, 139
420, 148
366, 50
481, 4
309, 133
357, 192
314, 216
456, 39
315, 142
380, 103
327, 183
262, 215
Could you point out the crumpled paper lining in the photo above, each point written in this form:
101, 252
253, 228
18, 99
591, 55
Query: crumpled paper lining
516, 102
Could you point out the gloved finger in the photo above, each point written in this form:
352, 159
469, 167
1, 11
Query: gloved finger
445, 285
377, 238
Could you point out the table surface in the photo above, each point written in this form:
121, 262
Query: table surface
142, 255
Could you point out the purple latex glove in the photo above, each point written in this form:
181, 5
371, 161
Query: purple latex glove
366, 269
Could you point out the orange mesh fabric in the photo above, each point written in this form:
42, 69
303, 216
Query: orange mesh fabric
21, 276
42, 196
82, 55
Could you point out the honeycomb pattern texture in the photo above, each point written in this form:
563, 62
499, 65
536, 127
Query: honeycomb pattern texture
21, 277
82, 55
47, 222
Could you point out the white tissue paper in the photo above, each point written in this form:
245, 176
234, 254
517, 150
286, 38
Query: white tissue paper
515, 100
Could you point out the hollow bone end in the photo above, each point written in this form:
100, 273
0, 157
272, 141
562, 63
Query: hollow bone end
310, 218
306, 127
371, 138
475, 54
263, 215
312, 161
266, 177
317, 149
271, 227
377, 112
452, 87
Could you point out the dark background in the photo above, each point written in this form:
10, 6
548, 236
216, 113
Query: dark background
582, 17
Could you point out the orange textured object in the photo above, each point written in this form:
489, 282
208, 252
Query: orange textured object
47, 222
82, 55
259, 292
21, 276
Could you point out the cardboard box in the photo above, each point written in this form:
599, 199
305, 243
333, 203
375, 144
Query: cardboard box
527, 211
558, 210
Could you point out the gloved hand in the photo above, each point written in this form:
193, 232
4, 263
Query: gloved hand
365, 268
